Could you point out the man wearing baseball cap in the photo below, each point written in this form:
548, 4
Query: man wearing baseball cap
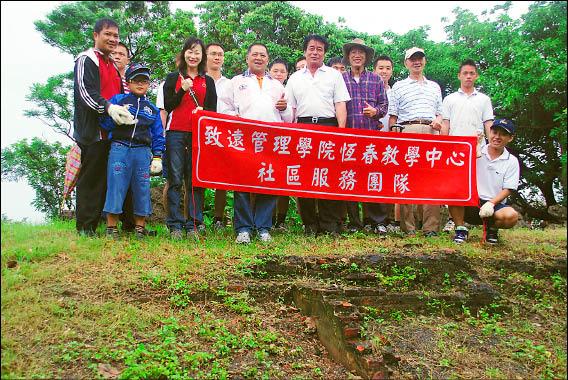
497, 178
416, 104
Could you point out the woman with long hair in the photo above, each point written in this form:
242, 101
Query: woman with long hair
186, 91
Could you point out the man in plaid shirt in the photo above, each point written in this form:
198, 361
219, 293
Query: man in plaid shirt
368, 104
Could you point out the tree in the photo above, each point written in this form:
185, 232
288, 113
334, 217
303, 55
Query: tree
54, 103
42, 164
523, 70
522, 63
149, 29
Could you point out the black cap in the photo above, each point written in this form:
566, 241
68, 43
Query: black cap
137, 69
506, 124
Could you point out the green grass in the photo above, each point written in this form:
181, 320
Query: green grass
82, 308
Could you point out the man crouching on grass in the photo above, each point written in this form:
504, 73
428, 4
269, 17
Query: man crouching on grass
497, 178
130, 159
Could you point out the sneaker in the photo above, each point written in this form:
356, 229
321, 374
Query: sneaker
265, 237
112, 232
243, 238
449, 227
201, 229
176, 235
492, 236
461, 235
368, 228
411, 233
141, 233
218, 225
353, 229
393, 228
380, 230
430, 234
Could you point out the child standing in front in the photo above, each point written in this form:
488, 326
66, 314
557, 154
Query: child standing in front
135, 152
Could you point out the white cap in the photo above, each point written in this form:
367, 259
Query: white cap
413, 50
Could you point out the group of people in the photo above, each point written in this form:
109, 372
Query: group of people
122, 139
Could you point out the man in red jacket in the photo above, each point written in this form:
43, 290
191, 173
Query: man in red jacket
96, 79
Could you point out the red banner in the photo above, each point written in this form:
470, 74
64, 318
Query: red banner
314, 161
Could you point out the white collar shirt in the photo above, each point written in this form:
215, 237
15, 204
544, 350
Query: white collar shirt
412, 99
243, 96
316, 95
467, 112
493, 176
220, 86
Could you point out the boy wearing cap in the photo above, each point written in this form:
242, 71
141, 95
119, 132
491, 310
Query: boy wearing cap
497, 178
132, 146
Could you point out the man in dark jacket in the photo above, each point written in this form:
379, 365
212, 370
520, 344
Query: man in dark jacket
96, 80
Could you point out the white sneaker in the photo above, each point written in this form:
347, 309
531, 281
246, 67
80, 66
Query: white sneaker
265, 237
243, 238
449, 227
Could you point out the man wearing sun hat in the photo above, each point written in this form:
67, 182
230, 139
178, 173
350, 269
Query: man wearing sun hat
367, 106
416, 105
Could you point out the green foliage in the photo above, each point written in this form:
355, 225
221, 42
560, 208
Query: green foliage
149, 29
54, 100
522, 63
42, 164
523, 69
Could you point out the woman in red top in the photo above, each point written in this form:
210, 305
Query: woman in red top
185, 91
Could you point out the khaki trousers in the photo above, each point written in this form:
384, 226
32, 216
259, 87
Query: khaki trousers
430, 213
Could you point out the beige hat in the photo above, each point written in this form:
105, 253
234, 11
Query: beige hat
369, 52
413, 50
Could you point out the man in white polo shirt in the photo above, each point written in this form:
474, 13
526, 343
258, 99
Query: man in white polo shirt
215, 59
255, 95
415, 103
318, 95
497, 178
466, 112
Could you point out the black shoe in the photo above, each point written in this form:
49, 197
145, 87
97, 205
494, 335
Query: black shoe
461, 235
310, 229
492, 235
86, 233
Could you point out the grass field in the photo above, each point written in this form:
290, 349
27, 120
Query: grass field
77, 307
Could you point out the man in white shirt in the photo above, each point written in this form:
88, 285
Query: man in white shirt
466, 112
497, 178
255, 95
215, 59
416, 104
318, 95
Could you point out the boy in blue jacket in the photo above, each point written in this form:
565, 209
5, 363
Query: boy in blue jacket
136, 150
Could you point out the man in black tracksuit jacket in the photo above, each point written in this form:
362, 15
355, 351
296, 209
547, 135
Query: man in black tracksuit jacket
96, 80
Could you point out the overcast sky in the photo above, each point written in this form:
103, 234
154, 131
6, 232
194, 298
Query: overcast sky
26, 59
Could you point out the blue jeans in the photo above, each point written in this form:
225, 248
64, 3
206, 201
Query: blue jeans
178, 146
247, 219
128, 167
